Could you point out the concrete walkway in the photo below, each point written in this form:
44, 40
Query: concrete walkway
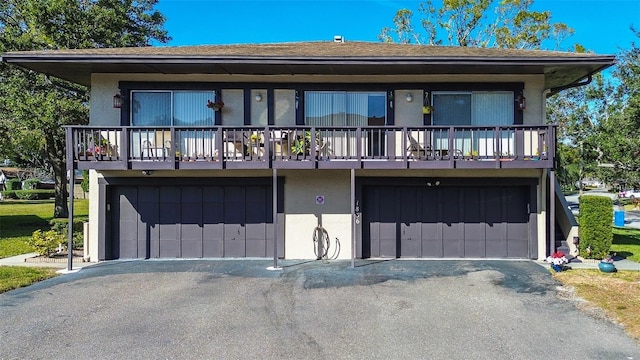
21, 260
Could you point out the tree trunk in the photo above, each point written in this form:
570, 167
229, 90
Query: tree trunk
55, 152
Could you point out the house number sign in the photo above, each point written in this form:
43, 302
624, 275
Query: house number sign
319, 199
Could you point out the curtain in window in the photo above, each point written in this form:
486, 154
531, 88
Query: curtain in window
325, 108
357, 109
452, 109
492, 108
190, 108
151, 108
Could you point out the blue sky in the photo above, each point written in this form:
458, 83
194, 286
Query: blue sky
601, 26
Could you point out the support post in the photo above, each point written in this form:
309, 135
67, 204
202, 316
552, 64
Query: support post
552, 211
72, 175
353, 218
275, 221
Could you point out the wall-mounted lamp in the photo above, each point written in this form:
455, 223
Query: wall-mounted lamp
147, 172
409, 97
258, 97
117, 101
521, 102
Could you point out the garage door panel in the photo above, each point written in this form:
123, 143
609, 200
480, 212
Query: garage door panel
410, 229
473, 220
127, 226
431, 222
192, 221
448, 221
495, 224
213, 221
387, 223
191, 215
170, 215
170, 249
452, 228
191, 248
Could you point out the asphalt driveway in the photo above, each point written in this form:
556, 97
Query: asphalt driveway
229, 309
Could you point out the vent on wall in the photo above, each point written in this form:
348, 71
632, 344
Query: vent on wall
338, 39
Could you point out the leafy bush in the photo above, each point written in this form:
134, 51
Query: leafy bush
596, 228
9, 194
34, 194
14, 184
30, 184
60, 226
46, 243
85, 181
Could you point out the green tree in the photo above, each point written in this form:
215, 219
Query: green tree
34, 107
620, 131
477, 23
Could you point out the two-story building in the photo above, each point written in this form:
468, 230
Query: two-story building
367, 149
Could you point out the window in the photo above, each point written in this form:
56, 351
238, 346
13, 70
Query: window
171, 108
345, 108
481, 108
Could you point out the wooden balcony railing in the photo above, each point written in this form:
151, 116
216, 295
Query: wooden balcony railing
222, 147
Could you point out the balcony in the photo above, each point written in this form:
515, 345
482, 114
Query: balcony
305, 147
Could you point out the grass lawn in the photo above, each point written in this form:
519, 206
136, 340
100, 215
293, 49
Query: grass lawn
617, 294
13, 277
626, 243
20, 218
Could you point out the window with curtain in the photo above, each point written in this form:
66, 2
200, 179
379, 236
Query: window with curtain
171, 108
481, 108
478, 108
345, 108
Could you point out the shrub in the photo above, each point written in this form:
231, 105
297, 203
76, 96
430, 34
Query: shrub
34, 194
60, 226
85, 181
596, 228
14, 184
45, 243
9, 194
30, 184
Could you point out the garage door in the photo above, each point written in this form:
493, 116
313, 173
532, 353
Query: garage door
450, 222
191, 221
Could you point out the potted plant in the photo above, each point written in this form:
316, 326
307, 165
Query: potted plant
215, 105
557, 261
302, 143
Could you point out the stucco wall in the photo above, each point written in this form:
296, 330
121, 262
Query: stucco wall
105, 86
233, 111
408, 113
303, 214
285, 110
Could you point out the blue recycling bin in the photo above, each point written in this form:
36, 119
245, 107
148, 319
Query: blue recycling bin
618, 218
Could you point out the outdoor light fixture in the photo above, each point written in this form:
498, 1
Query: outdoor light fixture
521, 102
409, 97
117, 101
258, 97
147, 172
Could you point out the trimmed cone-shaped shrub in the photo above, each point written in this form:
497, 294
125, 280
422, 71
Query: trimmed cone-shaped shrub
596, 228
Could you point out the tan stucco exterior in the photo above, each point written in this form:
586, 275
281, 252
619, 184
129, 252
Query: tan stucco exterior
105, 86
302, 213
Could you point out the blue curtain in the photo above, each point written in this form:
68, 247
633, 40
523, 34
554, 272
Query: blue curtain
190, 108
151, 108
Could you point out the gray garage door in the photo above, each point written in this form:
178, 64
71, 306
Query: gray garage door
191, 221
456, 222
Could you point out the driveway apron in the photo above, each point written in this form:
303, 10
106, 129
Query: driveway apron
233, 309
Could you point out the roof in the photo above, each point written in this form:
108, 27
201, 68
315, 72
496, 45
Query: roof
348, 58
